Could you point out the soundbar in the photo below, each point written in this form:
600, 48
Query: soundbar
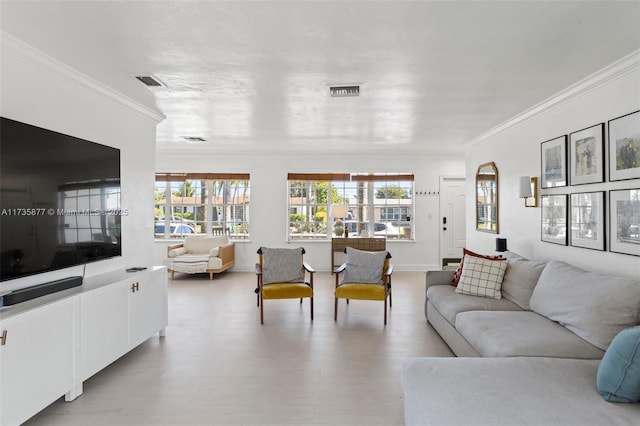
28, 293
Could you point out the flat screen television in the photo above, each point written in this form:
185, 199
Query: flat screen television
59, 200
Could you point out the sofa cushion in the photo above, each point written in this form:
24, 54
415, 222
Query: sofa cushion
282, 265
364, 266
522, 333
618, 378
520, 279
482, 277
521, 391
594, 306
465, 252
203, 244
449, 303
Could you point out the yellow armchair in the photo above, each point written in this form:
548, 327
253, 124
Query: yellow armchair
370, 279
281, 274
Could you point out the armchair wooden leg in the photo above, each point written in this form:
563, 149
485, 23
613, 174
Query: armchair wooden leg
172, 272
311, 308
385, 311
262, 312
210, 276
335, 309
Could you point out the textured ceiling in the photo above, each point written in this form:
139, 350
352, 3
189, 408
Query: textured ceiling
254, 76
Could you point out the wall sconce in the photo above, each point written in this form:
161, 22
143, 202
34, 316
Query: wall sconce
529, 191
501, 245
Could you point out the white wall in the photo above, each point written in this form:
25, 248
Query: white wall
38, 90
516, 153
269, 200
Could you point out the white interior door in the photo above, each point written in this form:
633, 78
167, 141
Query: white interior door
452, 216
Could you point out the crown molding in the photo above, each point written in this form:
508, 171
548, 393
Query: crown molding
618, 69
35, 58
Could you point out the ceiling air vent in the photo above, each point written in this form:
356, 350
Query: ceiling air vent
195, 139
149, 81
344, 91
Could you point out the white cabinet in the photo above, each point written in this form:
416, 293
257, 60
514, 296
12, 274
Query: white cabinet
147, 307
53, 343
37, 359
118, 317
104, 319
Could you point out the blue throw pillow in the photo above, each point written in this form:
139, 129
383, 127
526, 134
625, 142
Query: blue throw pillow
618, 378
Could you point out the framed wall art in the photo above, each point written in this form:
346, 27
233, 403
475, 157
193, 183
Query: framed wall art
586, 155
624, 213
554, 162
624, 147
554, 219
586, 220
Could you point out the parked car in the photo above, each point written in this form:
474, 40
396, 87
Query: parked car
380, 228
175, 228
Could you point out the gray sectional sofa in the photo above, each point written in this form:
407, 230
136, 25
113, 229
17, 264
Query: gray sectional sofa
528, 358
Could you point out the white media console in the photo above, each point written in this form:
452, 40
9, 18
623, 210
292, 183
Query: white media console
50, 345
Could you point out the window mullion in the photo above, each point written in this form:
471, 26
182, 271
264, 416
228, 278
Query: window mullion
168, 210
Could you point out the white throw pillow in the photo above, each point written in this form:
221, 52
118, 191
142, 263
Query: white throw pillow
482, 277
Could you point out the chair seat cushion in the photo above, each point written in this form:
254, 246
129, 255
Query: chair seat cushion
286, 291
361, 291
190, 263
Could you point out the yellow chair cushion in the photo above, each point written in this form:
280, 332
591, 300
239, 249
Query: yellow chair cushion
361, 291
286, 291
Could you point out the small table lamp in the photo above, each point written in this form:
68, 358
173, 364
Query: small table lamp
340, 211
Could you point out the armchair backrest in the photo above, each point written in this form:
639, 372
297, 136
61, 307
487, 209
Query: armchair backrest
281, 265
203, 243
365, 266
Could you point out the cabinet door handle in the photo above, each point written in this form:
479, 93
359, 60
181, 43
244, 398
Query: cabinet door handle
135, 287
3, 338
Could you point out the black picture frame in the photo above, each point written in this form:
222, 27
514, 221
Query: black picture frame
553, 162
553, 223
587, 215
624, 147
586, 155
624, 227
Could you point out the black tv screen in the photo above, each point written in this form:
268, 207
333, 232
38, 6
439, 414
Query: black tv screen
59, 200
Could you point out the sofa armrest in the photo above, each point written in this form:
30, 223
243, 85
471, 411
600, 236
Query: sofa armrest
172, 247
227, 253
439, 278
177, 252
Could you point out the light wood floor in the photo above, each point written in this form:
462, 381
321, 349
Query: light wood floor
218, 366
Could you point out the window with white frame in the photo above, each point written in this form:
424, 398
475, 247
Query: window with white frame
201, 203
326, 205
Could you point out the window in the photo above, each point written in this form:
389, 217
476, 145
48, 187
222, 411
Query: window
202, 203
322, 206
